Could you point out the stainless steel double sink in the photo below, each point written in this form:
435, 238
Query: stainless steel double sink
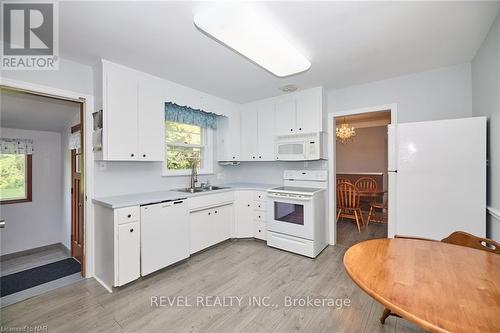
200, 189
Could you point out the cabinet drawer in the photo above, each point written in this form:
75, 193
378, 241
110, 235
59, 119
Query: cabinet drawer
128, 214
260, 230
259, 205
259, 195
259, 216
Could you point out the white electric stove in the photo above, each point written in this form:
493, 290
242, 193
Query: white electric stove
297, 212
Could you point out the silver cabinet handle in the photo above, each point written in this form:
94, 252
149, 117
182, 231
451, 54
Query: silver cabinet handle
2, 223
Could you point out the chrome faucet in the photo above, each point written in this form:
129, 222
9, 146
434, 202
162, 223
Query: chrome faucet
194, 174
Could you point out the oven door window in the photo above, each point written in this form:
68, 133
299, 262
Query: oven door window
289, 213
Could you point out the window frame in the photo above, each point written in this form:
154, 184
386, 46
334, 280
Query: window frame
29, 183
207, 148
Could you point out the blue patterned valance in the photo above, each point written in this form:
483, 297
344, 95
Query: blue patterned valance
187, 115
16, 146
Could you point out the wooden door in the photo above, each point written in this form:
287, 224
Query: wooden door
77, 202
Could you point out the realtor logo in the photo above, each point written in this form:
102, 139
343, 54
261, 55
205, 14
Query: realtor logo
30, 39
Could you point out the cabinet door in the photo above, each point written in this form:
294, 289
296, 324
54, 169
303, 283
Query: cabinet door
151, 122
249, 125
266, 132
209, 227
228, 137
309, 111
120, 112
244, 226
128, 252
285, 117
222, 219
260, 230
199, 227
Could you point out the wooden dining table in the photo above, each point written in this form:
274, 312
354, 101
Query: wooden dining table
438, 286
371, 193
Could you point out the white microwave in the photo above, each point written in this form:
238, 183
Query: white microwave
301, 147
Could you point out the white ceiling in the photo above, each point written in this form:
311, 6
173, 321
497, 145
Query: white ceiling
37, 113
347, 42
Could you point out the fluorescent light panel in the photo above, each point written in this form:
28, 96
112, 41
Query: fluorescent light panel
250, 35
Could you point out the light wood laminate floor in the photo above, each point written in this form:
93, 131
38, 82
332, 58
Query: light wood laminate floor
236, 268
348, 234
33, 258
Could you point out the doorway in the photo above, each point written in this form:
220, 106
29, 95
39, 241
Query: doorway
359, 187
43, 237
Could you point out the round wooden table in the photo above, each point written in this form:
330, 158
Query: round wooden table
438, 286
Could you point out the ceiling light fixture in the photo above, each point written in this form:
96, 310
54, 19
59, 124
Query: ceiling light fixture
247, 33
289, 88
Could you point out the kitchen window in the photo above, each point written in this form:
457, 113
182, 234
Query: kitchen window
15, 178
185, 143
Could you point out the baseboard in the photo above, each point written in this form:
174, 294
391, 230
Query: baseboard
494, 213
108, 288
34, 250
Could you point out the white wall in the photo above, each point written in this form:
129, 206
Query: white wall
70, 76
443, 93
36, 223
486, 102
367, 152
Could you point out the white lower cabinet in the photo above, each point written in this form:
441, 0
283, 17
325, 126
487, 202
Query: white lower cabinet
260, 230
244, 208
213, 218
259, 214
209, 227
117, 245
129, 256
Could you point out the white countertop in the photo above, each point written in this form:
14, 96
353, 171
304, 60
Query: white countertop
134, 199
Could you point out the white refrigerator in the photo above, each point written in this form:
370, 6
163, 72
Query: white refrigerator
437, 178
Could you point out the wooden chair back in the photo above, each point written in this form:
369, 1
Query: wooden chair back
465, 239
342, 180
347, 196
366, 183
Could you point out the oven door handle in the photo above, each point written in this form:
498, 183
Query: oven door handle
277, 196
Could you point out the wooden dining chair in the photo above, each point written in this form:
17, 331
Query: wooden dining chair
460, 238
343, 180
374, 207
465, 239
348, 203
366, 184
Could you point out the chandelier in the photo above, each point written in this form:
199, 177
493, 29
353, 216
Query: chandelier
345, 133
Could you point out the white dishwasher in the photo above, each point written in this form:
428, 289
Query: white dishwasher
164, 234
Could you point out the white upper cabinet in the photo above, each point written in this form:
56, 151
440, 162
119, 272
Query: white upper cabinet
301, 112
151, 122
133, 115
265, 132
228, 137
309, 111
285, 116
249, 127
119, 115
